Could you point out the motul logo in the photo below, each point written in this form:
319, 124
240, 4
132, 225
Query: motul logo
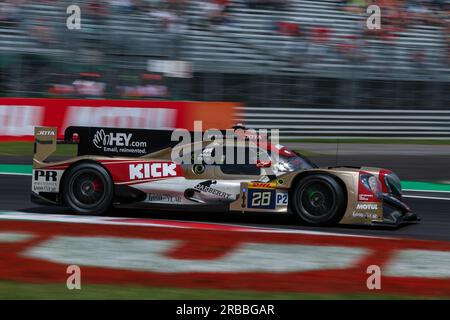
152, 170
367, 206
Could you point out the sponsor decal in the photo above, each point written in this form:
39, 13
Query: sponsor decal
282, 198
46, 180
364, 194
156, 197
206, 187
46, 133
367, 206
262, 185
118, 142
364, 215
368, 210
365, 197
154, 170
261, 199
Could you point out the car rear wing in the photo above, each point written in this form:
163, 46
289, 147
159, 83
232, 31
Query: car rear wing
106, 141
101, 141
119, 142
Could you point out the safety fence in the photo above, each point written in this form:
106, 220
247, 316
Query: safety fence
323, 123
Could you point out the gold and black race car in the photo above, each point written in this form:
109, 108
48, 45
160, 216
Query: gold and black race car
148, 169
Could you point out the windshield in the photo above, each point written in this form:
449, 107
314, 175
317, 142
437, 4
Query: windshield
293, 162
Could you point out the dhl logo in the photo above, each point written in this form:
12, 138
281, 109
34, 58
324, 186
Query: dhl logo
262, 185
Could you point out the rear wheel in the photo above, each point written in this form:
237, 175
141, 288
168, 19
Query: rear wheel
319, 200
88, 189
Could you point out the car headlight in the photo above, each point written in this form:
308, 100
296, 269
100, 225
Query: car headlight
371, 183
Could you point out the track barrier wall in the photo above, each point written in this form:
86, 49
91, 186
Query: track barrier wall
19, 116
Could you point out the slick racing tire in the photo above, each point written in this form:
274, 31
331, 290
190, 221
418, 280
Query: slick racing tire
319, 200
88, 189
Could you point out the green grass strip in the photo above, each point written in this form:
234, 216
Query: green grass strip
26, 149
426, 186
15, 290
16, 168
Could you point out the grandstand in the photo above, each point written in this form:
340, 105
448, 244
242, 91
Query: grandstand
244, 58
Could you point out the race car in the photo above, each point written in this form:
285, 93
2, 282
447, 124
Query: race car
142, 168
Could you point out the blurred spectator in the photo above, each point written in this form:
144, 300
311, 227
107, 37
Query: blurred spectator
416, 7
355, 6
122, 6
97, 9
288, 28
42, 31
9, 13
168, 20
399, 13
417, 56
419, 12
272, 4
87, 85
447, 40
392, 20
177, 4
295, 45
320, 41
439, 4
172, 27
351, 47
152, 86
217, 11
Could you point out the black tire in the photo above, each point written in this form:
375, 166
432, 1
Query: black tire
319, 200
88, 189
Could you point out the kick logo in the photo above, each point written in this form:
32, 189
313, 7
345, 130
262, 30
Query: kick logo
152, 170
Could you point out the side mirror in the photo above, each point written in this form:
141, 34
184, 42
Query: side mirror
263, 163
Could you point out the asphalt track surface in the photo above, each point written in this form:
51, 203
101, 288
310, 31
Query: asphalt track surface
415, 163
435, 214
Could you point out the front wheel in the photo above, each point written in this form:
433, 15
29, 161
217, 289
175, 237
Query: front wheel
319, 200
88, 189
